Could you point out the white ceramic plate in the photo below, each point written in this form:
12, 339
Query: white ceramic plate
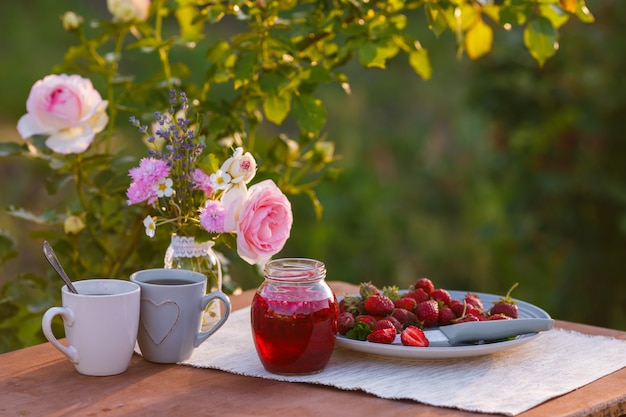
397, 350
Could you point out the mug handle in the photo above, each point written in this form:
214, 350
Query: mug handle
202, 336
68, 319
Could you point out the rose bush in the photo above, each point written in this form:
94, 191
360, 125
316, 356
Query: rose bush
252, 71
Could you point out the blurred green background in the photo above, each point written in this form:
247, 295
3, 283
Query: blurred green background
493, 172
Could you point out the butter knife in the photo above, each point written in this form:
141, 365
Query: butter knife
489, 330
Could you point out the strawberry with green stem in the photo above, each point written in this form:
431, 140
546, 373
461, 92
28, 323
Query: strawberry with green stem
505, 305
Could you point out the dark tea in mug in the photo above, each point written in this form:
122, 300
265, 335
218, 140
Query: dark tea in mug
168, 281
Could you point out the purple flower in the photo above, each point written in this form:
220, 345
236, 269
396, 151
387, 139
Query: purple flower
212, 216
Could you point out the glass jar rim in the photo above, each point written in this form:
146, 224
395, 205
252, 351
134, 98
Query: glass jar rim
295, 270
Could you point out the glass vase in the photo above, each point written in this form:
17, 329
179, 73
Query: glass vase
184, 252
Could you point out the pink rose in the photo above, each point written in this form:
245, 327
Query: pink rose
264, 223
66, 108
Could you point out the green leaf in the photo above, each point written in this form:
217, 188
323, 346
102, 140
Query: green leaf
419, 61
271, 82
245, 68
7, 247
217, 51
47, 217
10, 148
359, 331
373, 54
555, 14
276, 107
283, 151
540, 38
514, 13
191, 27
215, 12
316, 74
583, 13
7, 310
309, 113
437, 21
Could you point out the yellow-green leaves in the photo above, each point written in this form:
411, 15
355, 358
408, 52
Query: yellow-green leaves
191, 26
541, 39
418, 59
276, 107
478, 39
376, 54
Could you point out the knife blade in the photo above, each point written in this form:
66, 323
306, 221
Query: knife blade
489, 330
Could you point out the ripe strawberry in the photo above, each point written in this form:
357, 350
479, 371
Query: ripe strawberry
395, 323
418, 295
352, 305
386, 336
406, 303
427, 313
404, 317
446, 315
470, 309
378, 305
506, 305
425, 284
458, 307
367, 319
345, 322
466, 318
508, 308
474, 300
413, 336
367, 288
499, 316
442, 296
384, 324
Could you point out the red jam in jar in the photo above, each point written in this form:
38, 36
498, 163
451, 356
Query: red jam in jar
294, 317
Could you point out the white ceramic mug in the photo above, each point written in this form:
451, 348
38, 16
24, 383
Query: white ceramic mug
172, 303
101, 323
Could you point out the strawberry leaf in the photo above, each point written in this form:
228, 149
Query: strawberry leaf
359, 331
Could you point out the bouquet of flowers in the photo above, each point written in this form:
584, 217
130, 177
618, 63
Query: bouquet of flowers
186, 191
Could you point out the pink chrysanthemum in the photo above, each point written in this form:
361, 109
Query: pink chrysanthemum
150, 171
202, 182
212, 216
138, 192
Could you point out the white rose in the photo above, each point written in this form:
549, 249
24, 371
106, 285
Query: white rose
232, 200
71, 21
241, 167
66, 108
129, 10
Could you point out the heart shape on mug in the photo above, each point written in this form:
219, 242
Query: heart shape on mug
163, 319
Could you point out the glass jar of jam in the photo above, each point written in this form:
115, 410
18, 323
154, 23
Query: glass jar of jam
294, 317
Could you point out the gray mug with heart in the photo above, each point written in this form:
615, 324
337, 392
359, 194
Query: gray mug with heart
172, 305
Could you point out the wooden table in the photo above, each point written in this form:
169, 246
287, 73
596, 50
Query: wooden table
39, 381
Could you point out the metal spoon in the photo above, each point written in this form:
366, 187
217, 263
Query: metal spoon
54, 261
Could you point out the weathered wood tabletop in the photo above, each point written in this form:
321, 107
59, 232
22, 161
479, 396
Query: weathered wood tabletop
39, 381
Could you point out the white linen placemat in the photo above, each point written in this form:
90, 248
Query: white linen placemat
554, 363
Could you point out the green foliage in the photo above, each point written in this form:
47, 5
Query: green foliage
253, 71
